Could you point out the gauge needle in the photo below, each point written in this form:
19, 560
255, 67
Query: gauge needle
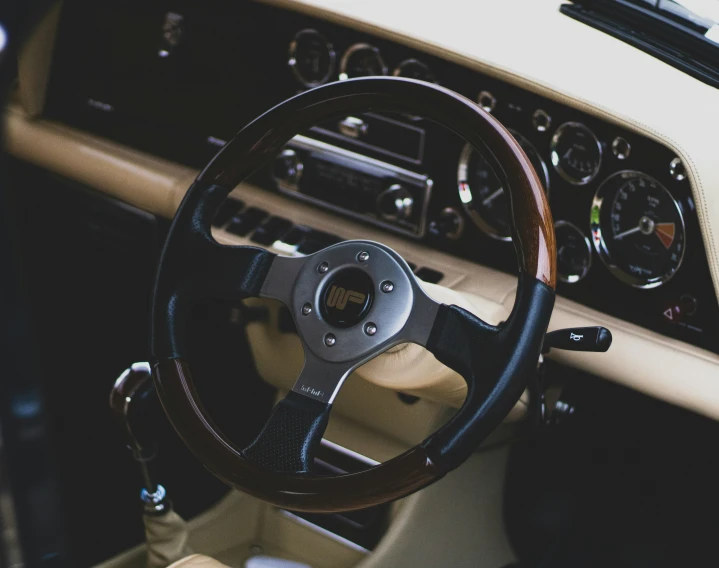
492, 197
627, 233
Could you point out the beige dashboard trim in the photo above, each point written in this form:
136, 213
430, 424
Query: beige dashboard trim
658, 366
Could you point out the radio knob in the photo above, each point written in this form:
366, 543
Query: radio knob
395, 203
288, 169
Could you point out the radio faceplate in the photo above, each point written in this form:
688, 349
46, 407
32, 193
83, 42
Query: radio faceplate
362, 187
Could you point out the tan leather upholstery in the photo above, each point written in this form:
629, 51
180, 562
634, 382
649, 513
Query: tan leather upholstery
166, 538
198, 561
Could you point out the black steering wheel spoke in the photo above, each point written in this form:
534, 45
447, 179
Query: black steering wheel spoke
495, 361
294, 430
291, 435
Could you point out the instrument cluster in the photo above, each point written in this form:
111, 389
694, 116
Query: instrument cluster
634, 224
622, 204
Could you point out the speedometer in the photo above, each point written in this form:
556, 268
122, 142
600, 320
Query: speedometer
482, 193
638, 229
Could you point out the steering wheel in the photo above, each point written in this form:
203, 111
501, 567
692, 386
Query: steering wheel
350, 302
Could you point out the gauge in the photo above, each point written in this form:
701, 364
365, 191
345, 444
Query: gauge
414, 69
576, 153
312, 58
574, 252
482, 193
362, 60
638, 229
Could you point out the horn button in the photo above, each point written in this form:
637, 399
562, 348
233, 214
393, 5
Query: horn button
347, 297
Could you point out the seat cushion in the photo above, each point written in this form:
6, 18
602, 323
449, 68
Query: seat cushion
197, 561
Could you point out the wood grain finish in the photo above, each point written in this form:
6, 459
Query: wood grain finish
262, 139
391, 480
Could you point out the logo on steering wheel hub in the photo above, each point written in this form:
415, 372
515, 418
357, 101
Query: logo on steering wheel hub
347, 297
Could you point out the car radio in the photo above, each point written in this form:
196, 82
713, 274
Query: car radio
353, 184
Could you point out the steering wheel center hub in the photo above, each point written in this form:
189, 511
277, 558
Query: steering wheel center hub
347, 297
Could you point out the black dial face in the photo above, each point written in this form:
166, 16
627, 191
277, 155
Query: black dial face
638, 229
362, 60
482, 193
576, 153
414, 69
312, 58
574, 252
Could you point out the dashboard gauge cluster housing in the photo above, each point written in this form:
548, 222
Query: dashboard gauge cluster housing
283, 52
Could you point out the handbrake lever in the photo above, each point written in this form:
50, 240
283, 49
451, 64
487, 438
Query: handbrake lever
592, 339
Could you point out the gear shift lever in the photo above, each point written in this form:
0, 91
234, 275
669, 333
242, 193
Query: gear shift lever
134, 401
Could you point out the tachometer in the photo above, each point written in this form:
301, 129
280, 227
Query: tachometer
638, 229
576, 153
482, 193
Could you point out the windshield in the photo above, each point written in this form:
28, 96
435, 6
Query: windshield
701, 14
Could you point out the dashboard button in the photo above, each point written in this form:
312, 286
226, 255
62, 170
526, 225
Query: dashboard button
541, 120
244, 223
487, 101
676, 169
272, 230
295, 235
227, 210
621, 148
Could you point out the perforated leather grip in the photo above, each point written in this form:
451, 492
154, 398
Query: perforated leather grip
288, 441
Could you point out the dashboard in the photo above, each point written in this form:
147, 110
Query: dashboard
629, 242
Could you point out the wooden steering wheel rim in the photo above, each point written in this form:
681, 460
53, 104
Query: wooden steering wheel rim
252, 147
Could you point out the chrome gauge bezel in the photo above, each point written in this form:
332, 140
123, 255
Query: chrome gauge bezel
574, 278
292, 58
600, 244
556, 161
351, 50
412, 61
462, 180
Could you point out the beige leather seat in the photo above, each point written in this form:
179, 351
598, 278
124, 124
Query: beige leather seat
197, 561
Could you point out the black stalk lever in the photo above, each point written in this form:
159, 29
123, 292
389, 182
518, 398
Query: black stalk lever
594, 339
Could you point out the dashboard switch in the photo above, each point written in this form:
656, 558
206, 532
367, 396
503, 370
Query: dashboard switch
592, 339
227, 211
273, 229
288, 169
244, 223
353, 127
681, 310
